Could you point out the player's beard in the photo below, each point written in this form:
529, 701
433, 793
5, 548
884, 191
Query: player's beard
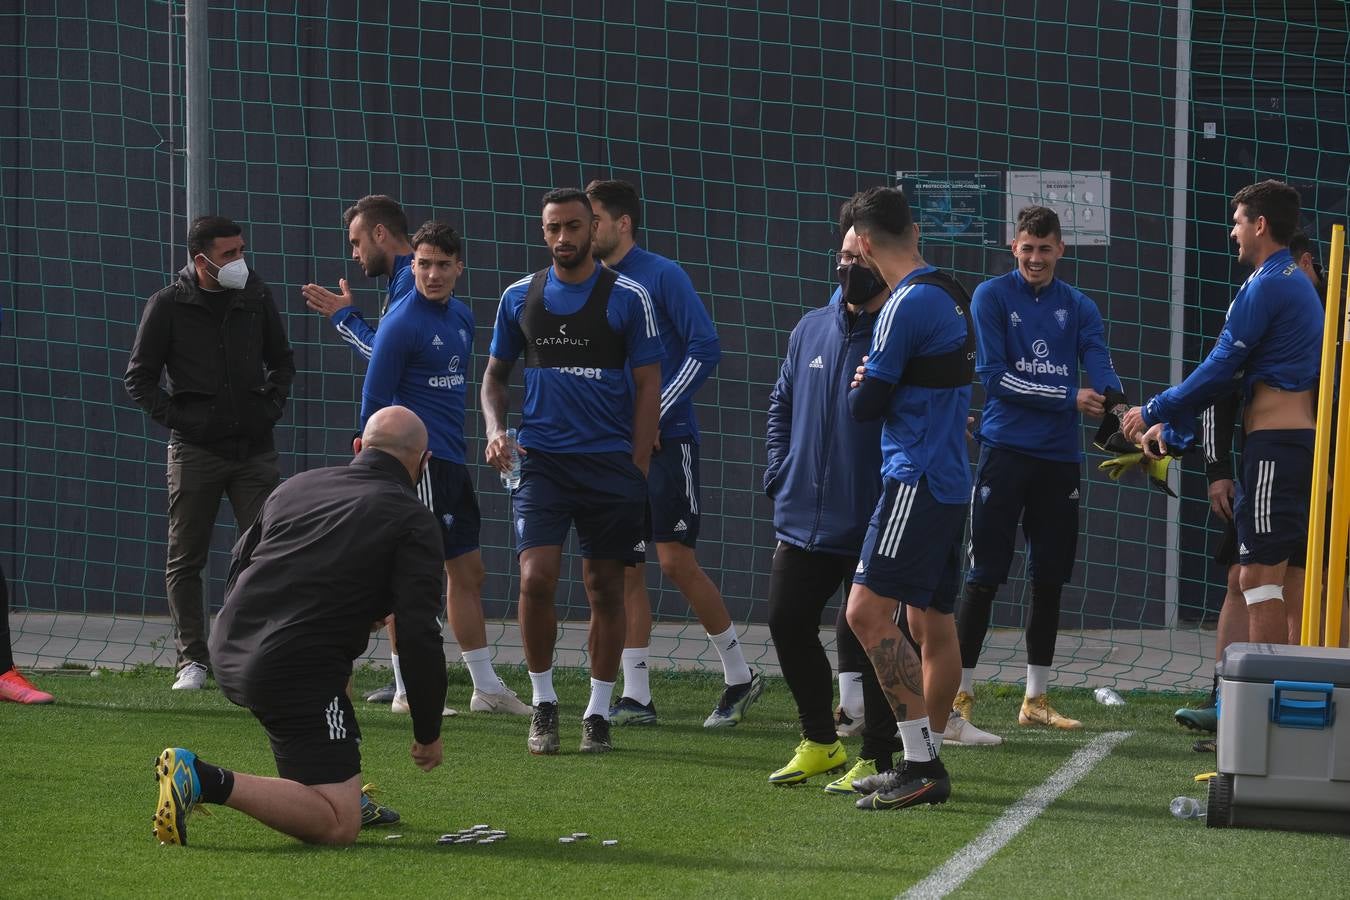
376, 264
582, 254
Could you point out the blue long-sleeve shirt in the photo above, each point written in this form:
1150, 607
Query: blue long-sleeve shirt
421, 361
924, 431
1272, 335
688, 337
1029, 349
352, 326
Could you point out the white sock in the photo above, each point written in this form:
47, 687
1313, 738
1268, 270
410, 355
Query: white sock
601, 693
917, 737
936, 737
734, 668
851, 694
543, 687
968, 681
480, 670
399, 689
636, 685
1037, 678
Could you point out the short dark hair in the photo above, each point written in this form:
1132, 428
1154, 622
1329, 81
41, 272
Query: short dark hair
619, 198
439, 235
567, 195
205, 229
1274, 200
845, 216
1038, 221
378, 209
1299, 244
883, 209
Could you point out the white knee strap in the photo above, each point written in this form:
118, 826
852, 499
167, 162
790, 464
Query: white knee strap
1262, 593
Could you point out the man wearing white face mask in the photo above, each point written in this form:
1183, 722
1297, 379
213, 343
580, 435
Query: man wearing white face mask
217, 335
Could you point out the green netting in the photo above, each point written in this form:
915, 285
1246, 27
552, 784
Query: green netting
743, 125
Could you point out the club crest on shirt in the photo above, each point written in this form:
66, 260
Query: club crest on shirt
464, 337
520, 526
448, 520
1062, 317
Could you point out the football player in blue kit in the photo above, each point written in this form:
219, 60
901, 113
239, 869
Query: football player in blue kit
691, 353
917, 379
1035, 333
1271, 344
585, 444
421, 360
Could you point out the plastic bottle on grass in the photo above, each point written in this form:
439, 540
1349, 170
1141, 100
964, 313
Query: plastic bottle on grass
511, 479
1108, 697
1187, 808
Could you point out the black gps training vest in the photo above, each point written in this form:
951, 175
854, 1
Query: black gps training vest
583, 339
955, 368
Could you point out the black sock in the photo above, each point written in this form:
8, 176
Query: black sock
217, 783
1214, 690
933, 768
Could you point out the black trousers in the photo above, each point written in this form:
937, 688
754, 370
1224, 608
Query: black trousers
801, 584
6, 654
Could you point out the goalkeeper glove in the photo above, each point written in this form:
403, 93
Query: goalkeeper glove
1156, 469
1118, 465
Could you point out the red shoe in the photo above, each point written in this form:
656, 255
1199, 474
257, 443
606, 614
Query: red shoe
17, 689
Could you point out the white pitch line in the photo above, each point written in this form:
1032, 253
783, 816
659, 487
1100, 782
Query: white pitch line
968, 860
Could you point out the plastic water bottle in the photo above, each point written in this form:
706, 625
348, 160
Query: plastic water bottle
1187, 808
1107, 697
511, 479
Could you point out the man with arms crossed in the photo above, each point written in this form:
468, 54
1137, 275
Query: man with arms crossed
691, 353
917, 379
584, 446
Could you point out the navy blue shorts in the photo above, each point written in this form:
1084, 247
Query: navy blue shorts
912, 552
447, 490
1041, 494
603, 494
1273, 495
672, 491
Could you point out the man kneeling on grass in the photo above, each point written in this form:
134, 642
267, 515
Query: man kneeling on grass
334, 551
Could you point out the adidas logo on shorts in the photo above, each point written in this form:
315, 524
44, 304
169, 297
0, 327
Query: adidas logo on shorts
1242, 548
1074, 495
817, 363
640, 547
680, 526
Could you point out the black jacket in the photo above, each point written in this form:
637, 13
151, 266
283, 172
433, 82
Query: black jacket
230, 366
333, 551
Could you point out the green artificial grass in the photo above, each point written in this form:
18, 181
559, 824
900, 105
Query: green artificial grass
691, 808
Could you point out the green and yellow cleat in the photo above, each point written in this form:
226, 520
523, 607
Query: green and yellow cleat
811, 759
844, 783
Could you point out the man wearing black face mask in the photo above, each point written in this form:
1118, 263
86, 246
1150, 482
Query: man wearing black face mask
217, 334
824, 473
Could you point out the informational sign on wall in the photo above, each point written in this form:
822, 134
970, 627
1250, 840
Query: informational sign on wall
1082, 200
961, 206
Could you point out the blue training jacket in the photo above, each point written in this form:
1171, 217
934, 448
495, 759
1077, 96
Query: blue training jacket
824, 472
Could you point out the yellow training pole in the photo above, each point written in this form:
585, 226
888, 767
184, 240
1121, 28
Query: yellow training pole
1335, 603
1334, 324
1340, 486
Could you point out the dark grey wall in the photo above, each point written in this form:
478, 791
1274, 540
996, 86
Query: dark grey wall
744, 127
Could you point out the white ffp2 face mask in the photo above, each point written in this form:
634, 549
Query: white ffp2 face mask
232, 276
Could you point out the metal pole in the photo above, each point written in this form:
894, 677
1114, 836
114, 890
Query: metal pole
196, 62
1180, 185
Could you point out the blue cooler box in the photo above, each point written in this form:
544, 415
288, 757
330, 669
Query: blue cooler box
1284, 739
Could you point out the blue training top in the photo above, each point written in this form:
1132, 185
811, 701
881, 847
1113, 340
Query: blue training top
1272, 335
1030, 347
352, 326
575, 409
692, 350
421, 361
925, 428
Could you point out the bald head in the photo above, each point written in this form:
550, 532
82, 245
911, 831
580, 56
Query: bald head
398, 431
